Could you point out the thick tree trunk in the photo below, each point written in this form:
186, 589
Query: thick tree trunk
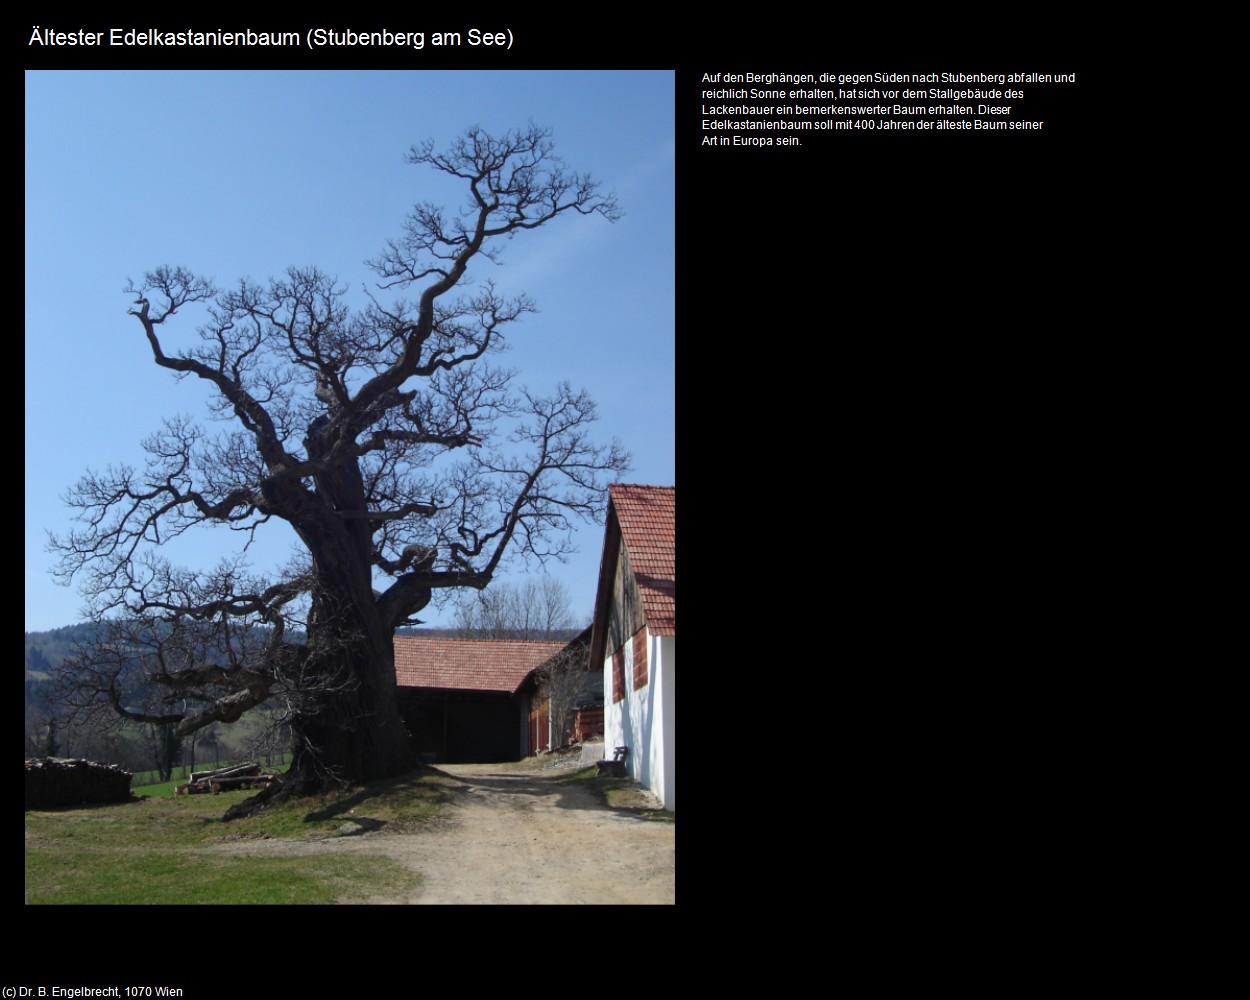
352, 730
347, 730
346, 727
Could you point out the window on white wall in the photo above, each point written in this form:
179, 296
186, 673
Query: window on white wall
618, 675
640, 658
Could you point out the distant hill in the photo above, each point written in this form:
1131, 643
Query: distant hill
44, 651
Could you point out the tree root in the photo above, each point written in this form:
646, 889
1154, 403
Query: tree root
289, 787
285, 789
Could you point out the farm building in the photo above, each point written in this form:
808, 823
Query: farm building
635, 632
467, 701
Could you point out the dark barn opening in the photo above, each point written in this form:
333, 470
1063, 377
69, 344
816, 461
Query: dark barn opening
464, 727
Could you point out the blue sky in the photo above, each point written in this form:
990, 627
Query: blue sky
236, 174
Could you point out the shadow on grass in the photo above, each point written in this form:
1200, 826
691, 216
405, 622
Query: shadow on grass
340, 807
528, 783
407, 797
622, 796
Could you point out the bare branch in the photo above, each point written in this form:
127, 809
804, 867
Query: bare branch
385, 437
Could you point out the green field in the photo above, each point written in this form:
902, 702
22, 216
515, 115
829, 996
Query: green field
176, 849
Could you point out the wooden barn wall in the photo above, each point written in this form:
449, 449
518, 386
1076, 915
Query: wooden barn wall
625, 615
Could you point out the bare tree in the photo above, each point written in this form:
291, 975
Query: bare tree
566, 681
40, 733
400, 455
165, 747
536, 609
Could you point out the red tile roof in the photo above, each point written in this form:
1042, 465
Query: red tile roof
646, 515
469, 664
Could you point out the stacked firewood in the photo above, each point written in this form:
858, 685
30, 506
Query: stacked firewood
60, 781
226, 778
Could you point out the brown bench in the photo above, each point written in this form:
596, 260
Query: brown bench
616, 766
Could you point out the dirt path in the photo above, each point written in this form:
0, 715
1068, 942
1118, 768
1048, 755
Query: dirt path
520, 837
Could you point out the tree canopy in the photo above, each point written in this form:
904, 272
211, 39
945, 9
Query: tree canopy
405, 459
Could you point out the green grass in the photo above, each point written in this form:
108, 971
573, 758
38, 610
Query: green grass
177, 849
168, 877
165, 788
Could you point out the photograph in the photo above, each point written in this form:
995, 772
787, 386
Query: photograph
350, 473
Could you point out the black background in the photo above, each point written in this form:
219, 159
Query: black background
888, 374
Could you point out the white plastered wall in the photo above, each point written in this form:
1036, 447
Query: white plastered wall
644, 719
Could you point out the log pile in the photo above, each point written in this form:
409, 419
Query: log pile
226, 778
61, 781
